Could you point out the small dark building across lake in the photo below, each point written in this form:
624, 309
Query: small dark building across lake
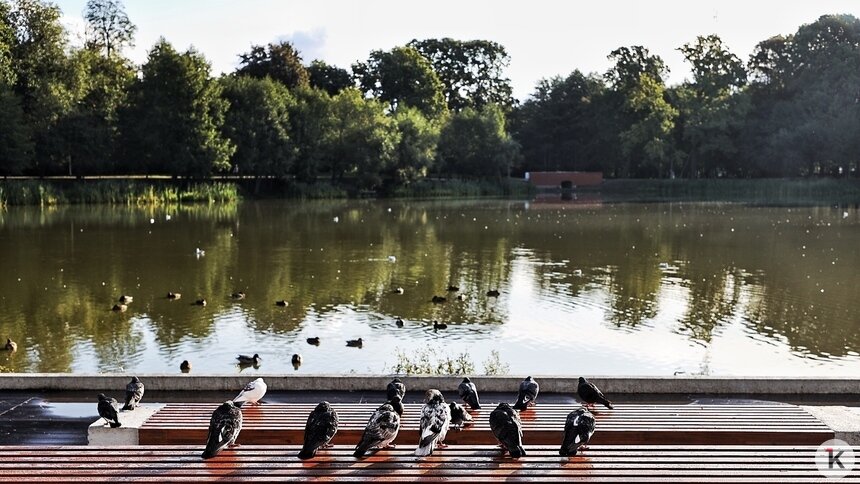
564, 180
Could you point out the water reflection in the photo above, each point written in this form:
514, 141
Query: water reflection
584, 287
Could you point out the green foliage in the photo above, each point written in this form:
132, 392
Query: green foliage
630, 63
472, 72
258, 124
311, 121
475, 143
431, 361
648, 139
494, 365
716, 71
416, 145
108, 27
16, 146
402, 77
175, 116
115, 192
331, 79
280, 61
7, 43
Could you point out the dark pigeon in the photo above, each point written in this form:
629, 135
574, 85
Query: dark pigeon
435, 419
320, 429
506, 426
395, 387
578, 430
529, 390
590, 394
381, 430
397, 404
133, 393
224, 428
469, 393
107, 410
460, 417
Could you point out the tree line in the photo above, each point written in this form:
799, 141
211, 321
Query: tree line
433, 107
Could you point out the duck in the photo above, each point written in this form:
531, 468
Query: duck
437, 325
297, 361
453, 288
11, 345
438, 299
200, 302
355, 343
185, 366
282, 303
577, 272
314, 341
398, 322
120, 308
249, 360
460, 297
174, 296
125, 299
493, 293
238, 295
397, 290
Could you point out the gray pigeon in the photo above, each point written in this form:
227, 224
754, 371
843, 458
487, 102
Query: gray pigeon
469, 393
590, 394
133, 394
107, 410
529, 390
320, 429
395, 387
578, 430
435, 419
508, 429
224, 428
381, 430
460, 417
396, 404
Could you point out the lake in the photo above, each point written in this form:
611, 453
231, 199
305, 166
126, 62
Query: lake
584, 287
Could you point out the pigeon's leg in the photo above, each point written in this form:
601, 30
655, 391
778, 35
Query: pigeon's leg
327, 445
583, 447
390, 446
441, 445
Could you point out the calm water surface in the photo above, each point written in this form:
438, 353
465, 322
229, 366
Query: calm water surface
585, 288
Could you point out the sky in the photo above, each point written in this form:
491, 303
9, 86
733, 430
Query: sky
543, 38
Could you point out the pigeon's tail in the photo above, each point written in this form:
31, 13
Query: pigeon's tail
128, 406
425, 450
239, 404
308, 452
472, 400
517, 451
116, 424
606, 403
361, 449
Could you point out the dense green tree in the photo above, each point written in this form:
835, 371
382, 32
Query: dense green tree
310, 123
629, 63
331, 79
475, 144
175, 116
472, 72
16, 146
280, 61
258, 124
7, 44
648, 140
416, 145
402, 77
108, 27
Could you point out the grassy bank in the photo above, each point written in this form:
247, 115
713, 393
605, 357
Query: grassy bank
766, 190
115, 192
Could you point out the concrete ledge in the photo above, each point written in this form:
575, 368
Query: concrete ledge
553, 384
100, 434
844, 421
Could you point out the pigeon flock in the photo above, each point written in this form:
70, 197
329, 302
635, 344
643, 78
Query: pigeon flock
437, 418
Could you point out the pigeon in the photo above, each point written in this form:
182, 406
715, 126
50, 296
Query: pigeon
395, 388
297, 361
107, 410
124, 299
252, 393
314, 341
435, 419
578, 430
381, 430
174, 296
396, 403
11, 345
460, 417
320, 429
249, 360
529, 390
185, 366
224, 428
506, 426
355, 343
493, 293
238, 295
469, 393
133, 393
590, 394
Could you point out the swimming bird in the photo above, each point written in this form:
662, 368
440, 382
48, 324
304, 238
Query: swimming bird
578, 429
438, 300
395, 388
320, 429
577, 272
120, 308
252, 393
493, 293
297, 361
249, 360
398, 322
133, 393
283, 303
107, 410
200, 302
397, 290
508, 429
174, 296
437, 325
314, 341
11, 345
224, 428
453, 288
380, 431
590, 394
529, 390
435, 419
460, 417
469, 393
355, 343
185, 366
124, 299
238, 295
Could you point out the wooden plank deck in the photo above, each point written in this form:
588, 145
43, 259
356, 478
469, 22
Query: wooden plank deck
162, 464
628, 424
